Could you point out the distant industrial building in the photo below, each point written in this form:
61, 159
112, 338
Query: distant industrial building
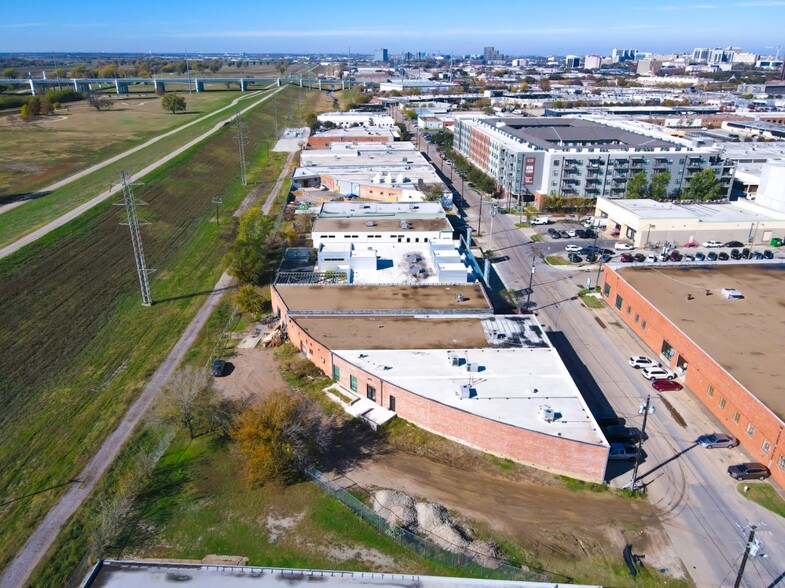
357, 118
359, 134
425, 86
393, 172
645, 221
535, 158
727, 351
572, 61
380, 55
388, 243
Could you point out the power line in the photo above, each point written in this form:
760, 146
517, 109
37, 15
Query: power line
142, 271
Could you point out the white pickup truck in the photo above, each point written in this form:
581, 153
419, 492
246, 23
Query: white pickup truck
540, 220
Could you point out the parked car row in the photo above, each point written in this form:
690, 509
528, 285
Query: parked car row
572, 233
676, 255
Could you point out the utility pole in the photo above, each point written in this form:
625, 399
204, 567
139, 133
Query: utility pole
188, 69
646, 407
240, 136
217, 200
142, 271
494, 212
747, 549
531, 281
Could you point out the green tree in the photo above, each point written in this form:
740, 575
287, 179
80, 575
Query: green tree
637, 186
434, 193
312, 121
704, 186
173, 103
544, 85
254, 226
250, 254
187, 401
10, 73
249, 299
658, 190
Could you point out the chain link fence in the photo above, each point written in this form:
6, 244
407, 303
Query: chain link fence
460, 559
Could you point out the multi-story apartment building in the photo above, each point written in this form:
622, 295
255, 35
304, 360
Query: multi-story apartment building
534, 158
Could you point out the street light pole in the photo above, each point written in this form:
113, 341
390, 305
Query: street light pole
494, 212
217, 200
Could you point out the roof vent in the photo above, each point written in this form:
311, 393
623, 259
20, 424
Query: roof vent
465, 392
546, 413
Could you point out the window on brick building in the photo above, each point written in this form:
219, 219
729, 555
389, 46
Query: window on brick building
370, 392
353, 383
643, 324
722, 402
667, 351
781, 462
629, 310
619, 301
750, 430
736, 416
766, 447
710, 390
606, 291
336, 372
392, 403
637, 317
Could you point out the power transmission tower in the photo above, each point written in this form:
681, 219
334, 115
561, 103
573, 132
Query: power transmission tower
133, 223
240, 136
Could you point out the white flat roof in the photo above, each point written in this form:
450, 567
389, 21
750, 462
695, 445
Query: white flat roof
397, 271
510, 388
707, 213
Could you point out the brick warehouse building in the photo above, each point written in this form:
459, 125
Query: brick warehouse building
437, 357
728, 352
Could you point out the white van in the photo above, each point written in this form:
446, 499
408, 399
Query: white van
540, 220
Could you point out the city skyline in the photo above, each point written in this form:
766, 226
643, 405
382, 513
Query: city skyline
461, 27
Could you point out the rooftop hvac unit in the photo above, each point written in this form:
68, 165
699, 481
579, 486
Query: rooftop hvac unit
404, 224
472, 366
465, 391
460, 298
547, 414
370, 224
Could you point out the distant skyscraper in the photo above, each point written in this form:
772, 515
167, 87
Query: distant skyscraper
592, 62
380, 55
621, 55
491, 55
572, 61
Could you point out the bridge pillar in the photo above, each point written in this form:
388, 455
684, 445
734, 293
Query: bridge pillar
278, 82
320, 83
159, 86
243, 85
343, 85
120, 87
199, 85
301, 81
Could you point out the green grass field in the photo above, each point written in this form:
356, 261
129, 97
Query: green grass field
50, 148
765, 495
78, 346
36, 213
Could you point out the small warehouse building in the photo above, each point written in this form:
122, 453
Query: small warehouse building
438, 357
645, 221
720, 329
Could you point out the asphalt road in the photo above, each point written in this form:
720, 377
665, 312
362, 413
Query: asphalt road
706, 518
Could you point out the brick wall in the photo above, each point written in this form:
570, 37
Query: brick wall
321, 142
727, 399
562, 456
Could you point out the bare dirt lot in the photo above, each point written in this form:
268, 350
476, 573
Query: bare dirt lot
252, 373
550, 522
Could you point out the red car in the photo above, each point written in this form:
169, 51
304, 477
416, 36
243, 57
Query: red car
666, 386
626, 258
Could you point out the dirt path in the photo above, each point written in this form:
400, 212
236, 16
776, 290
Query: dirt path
278, 183
111, 160
34, 550
72, 214
549, 521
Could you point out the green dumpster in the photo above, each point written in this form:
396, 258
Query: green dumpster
775, 242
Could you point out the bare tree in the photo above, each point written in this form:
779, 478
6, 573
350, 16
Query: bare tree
187, 400
100, 102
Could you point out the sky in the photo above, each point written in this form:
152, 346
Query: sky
522, 27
